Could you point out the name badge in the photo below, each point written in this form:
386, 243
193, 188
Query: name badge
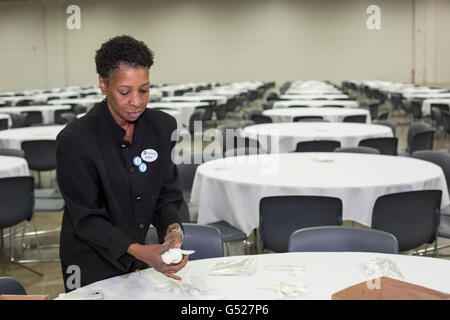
149, 155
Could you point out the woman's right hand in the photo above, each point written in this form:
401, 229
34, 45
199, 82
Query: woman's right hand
151, 254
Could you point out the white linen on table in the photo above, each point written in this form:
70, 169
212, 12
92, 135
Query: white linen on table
330, 114
313, 96
48, 112
220, 99
186, 109
315, 103
13, 167
319, 279
12, 138
230, 189
426, 104
289, 134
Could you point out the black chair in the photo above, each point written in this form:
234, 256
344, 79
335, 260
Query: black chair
32, 118
388, 123
3, 124
16, 206
342, 239
9, 285
355, 118
204, 239
196, 120
416, 109
367, 150
40, 155
332, 106
221, 111
227, 131
280, 216
18, 120
441, 159
420, 137
64, 116
249, 113
436, 116
387, 146
272, 96
446, 121
307, 118
297, 106
77, 108
24, 103
186, 171
259, 118
373, 109
317, 146
412, 217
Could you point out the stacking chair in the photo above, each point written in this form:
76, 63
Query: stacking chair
206, 240
77, 108
64, 116
332, 106
367, 150
3, 124
317, 146
259, 118
186, 171
446, 122
383, 116
373, 109
9, 285
298, 106
420, 137
32, 118
436, 115
441, 159
196, 116
40, 155
249, 113
280, 216
16, 206
224, 129
386, 145
357, 119
412, 217
341, 239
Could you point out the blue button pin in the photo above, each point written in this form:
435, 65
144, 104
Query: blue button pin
143, 167
137, 161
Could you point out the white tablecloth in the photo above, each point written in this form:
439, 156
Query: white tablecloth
287, 135
48, 112
426, 104
315, 103
230, 189
320, 274
12, 138
13, 167
86, 102
220, 99
186, 109
330, 114
313, 96
411, 96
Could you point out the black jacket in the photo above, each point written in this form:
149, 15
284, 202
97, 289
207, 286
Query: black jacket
109, 202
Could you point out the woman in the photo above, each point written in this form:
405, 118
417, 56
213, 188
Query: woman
116, 175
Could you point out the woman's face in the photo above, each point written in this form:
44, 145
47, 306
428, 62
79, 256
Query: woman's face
127, 91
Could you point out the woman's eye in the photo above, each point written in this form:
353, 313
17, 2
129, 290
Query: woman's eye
123, 93
144, 91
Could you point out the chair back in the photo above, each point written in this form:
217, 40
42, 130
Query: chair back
280, 216
204, 239
16, 200
3, 124
356, 118
307, 118
446, 121
317, 146
367, 150
32, 117
422, 141
196, 116
9, 285
341, 239
40, 154
412, 217
388, 123
386, 145
259, 118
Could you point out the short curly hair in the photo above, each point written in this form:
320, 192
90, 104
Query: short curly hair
122, 50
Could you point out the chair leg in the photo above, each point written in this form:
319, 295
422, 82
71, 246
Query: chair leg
22, 262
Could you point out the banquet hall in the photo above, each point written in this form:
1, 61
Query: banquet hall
312, 144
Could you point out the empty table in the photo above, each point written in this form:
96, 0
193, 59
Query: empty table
315, 103
330, 114
48, 112
186, 108
230, 189
296, 275
12, 138
13, 167
314, 96
283, 137
426, 104
85, 102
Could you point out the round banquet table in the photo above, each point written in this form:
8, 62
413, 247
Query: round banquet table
283, 137
13, 167
48, 112
186, 108
230, 189
12, 138
315, 103
220, 99
330, 114
299, 275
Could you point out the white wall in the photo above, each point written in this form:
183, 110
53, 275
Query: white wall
212, 40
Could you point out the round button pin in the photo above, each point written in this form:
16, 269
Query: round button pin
143, 167
137, 161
